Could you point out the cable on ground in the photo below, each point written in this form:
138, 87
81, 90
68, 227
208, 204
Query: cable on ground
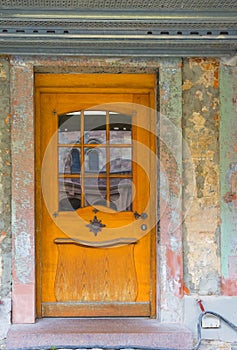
132, 347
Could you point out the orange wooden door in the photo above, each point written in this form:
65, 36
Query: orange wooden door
95, 194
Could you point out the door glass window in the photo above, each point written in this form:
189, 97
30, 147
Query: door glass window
95, 160
120, 160
120, 128
69, 128
95, 127
69, 160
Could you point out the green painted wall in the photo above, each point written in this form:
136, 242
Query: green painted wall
228, 178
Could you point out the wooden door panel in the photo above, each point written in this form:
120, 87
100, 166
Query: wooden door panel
88, 278
98, 270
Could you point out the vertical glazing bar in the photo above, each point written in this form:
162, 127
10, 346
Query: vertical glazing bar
82, 161
107, 157
54, 112
133, 122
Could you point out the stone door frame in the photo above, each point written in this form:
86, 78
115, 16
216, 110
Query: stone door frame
169, 239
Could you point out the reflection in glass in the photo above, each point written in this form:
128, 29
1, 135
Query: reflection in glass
95, 191
120, 160
93, 156
95, 127
95, 160
120, 129
69, 194
69, 160
121, 194
110, 186
69, 128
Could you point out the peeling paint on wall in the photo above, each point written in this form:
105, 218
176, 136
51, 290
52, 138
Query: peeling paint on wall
201, 203
170, 153
201, 132
5, 198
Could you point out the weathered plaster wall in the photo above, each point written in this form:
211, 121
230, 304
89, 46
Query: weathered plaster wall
201, 114
209, 229
228, 172
197, 84
170, 261
5, 199
170, 191
210, 130
23, 192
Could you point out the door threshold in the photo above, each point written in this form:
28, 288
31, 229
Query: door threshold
98, 333
90, 309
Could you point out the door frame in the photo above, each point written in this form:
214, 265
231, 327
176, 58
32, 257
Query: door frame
169, 256
137, 87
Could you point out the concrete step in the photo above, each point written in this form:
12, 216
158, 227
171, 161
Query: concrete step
88, 333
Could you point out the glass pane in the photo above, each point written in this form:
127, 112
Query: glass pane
69, 161
69, 194
95, 127
95, 191
95, 160
120, 160
69, 128
121, 194
120, 126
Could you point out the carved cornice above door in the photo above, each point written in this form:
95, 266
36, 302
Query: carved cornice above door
118, 27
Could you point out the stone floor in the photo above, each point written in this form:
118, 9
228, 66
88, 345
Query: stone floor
98, 333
